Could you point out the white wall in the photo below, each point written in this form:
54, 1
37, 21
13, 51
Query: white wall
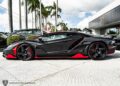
105, 9
96, 32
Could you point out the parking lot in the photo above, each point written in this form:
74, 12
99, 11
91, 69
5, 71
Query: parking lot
62, 72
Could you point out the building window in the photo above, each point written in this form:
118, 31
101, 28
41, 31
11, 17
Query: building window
112, 31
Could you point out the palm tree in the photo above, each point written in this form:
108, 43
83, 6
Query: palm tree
55, 12
63, 26
40, 15
33, 5
46, 12
20, 20
10, 15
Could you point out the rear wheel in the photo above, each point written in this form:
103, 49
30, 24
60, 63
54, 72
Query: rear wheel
97, 50
25, 52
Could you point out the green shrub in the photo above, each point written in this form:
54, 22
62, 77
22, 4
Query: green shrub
32, 37
13, 38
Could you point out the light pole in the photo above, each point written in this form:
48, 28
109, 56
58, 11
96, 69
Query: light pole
56, 15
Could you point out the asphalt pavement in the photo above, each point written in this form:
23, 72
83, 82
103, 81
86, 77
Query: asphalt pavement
61, 72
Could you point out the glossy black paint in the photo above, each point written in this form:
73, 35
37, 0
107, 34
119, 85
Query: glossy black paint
74, 42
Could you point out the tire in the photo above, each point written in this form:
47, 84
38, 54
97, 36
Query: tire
97, 51
25, 52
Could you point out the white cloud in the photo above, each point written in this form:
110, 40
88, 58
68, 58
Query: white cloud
4, 22
79, 8
70, 8
85, 22
82, 14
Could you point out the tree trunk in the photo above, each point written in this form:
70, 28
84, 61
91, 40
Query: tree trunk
26, 15
46, 23
56, 15
10, 15
41, 17
35, 20
32, 20
43, 21
20, 20
39, 21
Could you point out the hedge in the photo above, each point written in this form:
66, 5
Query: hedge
13, 38
32, 37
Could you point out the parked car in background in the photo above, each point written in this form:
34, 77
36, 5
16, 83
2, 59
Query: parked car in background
117, 42
25, 34
116, 38
3, 37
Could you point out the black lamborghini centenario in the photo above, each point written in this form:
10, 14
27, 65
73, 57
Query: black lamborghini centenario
68, 44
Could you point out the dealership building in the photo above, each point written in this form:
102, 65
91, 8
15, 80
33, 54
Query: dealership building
107, 19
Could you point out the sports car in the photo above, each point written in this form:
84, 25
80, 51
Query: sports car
72, 45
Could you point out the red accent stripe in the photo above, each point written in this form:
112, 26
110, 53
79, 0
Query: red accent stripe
15, 50
76, 56
10, 56
79, 56
36, 57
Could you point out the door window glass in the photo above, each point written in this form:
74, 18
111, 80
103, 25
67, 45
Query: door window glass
54, 37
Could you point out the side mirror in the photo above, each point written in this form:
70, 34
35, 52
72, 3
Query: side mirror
113, 37
40, 39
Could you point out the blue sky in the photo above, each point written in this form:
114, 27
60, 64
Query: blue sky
1, 1
73, 13
74, 20
2, 10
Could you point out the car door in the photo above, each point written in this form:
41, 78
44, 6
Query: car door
54, 43
60, 43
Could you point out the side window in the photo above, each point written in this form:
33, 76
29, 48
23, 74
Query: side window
53, 37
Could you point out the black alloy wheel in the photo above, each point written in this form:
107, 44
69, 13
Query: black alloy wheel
25, 52
97, 50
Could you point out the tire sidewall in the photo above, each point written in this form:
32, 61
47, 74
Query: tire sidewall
32, 50
99, 57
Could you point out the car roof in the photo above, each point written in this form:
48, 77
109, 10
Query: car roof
26, 30
67, 32
61, 33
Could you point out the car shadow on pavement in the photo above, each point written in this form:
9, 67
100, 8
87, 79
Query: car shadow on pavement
57, 58
109, 57
112, 57
60, 59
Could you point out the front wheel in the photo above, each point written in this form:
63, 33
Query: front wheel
25, 52
97, 50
